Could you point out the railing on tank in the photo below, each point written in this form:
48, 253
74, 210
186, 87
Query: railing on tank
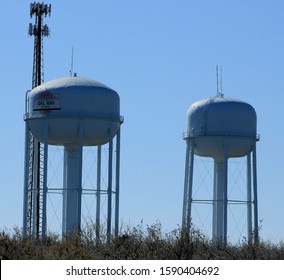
103, 117
186, 135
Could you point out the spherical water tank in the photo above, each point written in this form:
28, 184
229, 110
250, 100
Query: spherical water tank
73, 110
219, 122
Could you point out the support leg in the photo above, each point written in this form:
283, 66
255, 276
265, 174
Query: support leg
98, 194
117, 184
109, 190
188, 182
249, 208
255, 201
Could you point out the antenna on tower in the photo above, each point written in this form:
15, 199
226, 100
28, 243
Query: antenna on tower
34, 216
72, 74
217, 79
38, 30
219, 84
72, 60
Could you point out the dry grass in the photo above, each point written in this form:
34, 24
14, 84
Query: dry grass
133, 243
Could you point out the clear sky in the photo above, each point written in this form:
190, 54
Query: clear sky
160, 56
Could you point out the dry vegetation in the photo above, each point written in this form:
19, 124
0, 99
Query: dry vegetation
132, 244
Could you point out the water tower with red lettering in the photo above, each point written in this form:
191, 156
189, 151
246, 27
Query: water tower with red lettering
72, 112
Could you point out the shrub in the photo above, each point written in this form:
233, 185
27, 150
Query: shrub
133, 244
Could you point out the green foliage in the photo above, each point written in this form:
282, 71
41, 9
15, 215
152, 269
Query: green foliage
133, 244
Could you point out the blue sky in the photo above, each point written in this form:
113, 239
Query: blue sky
160, 56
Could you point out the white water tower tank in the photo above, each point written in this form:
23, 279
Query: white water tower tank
221, 128
212, 120
74, 112
71, 104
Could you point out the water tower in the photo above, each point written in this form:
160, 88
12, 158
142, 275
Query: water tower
221, 128
74, 112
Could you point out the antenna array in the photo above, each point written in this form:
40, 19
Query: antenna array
34, 220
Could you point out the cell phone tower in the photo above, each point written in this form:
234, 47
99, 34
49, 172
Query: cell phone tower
34, 216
